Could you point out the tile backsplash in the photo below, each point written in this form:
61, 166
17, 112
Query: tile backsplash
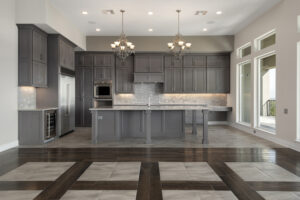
142, 93
26, 97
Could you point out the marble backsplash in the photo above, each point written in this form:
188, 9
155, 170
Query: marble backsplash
26, 97
142, 92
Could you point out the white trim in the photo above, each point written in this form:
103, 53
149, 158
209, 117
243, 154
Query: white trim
240, 49
260, 38
298, 90
264, 135
10, 145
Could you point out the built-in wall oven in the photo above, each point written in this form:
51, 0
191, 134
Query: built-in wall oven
103, 90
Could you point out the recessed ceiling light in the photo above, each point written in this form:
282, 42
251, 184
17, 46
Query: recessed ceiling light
150, 30
98, 29
84, 12
205, 29
219, 12
150, 13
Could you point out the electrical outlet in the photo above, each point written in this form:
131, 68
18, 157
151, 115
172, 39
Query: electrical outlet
285, 111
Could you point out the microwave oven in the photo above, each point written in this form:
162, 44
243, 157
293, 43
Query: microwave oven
103, 91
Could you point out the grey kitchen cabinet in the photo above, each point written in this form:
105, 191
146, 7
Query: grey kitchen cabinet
194, 61
218, 60
152, 63
67, 56
218, 80
32, 56
194, 80
102, 74
148, 77
173, 80
106, 121
103, 60
84, 96
124, 75
171, 61
84, 59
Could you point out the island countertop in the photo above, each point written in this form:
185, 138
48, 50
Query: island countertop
164, 107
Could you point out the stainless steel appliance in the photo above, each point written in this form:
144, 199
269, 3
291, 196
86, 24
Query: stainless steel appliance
103, 90
49, 125
66, 104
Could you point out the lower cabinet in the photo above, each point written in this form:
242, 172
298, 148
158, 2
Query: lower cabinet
194, 80
218, 80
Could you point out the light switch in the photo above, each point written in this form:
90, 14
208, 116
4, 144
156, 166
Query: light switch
285, 111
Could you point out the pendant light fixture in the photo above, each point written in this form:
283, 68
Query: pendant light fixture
122, 47
178, 46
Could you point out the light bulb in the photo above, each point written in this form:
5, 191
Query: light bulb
180, 43
170, 44
132, 46
188, 45
117, 43
113, 46
122, 47
182, 47
129, 44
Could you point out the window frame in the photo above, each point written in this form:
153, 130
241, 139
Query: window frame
258, 40
240, 50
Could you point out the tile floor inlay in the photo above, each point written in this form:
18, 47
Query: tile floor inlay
112, 171
100, 195
19, 195
187, 171
279, 195
197, 195
262, 171
37, 171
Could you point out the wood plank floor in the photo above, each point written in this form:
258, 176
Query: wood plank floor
149, 185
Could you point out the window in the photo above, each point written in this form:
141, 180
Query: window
299, 24
244, 50
266, 92
266, 40
244, 93
298, 91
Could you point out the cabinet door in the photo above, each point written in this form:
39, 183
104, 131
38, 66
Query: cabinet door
194, 61
217, 80
44, 49
141, 63
103, 60
188, 77
84, 60
177, 80
78, 97
88, 94
199, 80
218, 61
170, 61
62, 53
168, 84
124, 80
155, 63
39, 50
102, 74
39, 74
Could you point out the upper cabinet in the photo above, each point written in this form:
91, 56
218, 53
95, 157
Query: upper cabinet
32, 68
103, 60
84, 60
218, 61
67, 56
194, 61
124, 75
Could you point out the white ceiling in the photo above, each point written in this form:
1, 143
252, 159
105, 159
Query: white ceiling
236, 15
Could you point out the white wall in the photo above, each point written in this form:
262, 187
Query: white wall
283, 17
45, 16
8, 75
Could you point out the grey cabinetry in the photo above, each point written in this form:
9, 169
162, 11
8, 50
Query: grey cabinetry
84, 96
32, 68
218, 80
218, 76
194, 80
149, 68
67, 57
84, 59
124, 75
194, 61
173, 80
103, 67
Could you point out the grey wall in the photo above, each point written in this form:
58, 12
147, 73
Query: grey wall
283, 18
8, 75
159, 43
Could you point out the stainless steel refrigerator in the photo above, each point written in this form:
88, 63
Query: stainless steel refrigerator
66, 121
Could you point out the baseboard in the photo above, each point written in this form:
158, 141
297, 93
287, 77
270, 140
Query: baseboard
213, 123
10, 145
267, 136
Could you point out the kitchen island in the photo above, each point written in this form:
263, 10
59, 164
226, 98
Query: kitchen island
156, 121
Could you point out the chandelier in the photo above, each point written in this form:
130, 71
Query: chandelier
178, 46
122, 47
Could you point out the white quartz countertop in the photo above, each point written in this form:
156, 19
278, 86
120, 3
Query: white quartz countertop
38, 109
165, 107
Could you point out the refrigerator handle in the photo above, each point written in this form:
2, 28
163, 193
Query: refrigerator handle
68, 100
